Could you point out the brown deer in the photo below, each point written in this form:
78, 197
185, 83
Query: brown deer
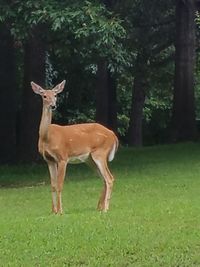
89, 143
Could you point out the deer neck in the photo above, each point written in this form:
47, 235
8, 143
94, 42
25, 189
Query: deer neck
45, 122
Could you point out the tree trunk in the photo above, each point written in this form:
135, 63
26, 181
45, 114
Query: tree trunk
34, 70
183, 117
106, 96
112, 102
135, 137
8, 97
102, 93
106, 106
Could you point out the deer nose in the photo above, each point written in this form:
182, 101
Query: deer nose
53, 107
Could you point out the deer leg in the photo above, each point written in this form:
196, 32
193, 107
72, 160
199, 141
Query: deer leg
91, 163
60, 181
103, 203
111, 181
108, 185
53, 175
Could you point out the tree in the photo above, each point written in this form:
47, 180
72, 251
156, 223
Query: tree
8, 96
149, 26
90, 27
102, 107
135, 135
106, 106
183, 118
34, 70
113, 51
106, 99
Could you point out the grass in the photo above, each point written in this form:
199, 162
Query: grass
154, 218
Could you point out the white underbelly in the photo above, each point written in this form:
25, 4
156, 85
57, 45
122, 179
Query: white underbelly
78, 159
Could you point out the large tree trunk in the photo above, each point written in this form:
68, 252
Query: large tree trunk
106, 96
102, 93
112, 102
7, 97
135, 135
106, 107
183, 118
34, 70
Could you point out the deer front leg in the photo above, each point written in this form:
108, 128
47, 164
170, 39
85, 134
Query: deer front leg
53, 175
61, 176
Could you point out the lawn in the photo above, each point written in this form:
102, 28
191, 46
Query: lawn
154, 217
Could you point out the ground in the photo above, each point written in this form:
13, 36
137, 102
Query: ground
154, 217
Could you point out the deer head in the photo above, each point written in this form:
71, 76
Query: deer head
49, 97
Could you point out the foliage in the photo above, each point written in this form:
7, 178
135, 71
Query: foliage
88, 23
79, 33
150, 28
153, 220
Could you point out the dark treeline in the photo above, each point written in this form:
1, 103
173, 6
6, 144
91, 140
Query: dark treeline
130, 65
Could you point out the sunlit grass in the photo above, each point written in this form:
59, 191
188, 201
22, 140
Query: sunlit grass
154, 218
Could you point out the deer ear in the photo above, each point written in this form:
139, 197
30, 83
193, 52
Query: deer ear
36, 88
59, 88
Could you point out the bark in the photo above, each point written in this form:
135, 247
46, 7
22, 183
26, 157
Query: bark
106, 96
106, 100
135, 136
7, 97
34, 70
183, 117
102, 93
112, 103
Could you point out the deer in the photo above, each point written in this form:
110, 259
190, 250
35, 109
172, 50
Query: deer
90, 143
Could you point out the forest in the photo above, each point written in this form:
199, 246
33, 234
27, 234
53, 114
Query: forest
131, 65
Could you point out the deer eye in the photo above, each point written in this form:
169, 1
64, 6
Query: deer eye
45, 96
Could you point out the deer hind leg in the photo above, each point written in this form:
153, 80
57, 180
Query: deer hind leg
111, 181
60, 181
53, 170
91, 163
102, 167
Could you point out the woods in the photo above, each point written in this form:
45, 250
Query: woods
130, 65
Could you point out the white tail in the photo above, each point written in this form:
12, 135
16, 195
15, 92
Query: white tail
113, 150
91, 143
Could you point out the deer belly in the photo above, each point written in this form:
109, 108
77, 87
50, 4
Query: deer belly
78, 159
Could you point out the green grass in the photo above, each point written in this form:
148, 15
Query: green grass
154, 218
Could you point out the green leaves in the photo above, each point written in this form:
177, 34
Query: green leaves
90, 24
